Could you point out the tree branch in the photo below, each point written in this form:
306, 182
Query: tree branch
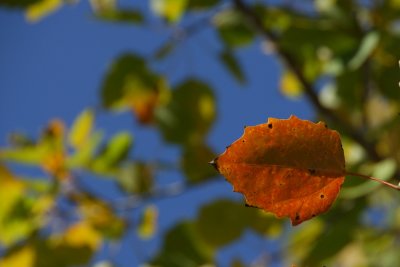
255, 22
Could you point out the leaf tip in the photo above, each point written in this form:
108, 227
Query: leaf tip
214, 163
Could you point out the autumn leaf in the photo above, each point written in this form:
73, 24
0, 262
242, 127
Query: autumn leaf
292, 167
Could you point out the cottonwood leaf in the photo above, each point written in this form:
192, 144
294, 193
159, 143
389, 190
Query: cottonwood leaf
293, 168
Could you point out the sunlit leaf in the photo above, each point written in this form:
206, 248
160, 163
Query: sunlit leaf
51, 143
37, 11
23, 207
115, 151
22, 257
100, 216
85, 154
367, 46
292, 167
107, 10
82, 234
130, 84
290, 85
81, 129
171, 10
148, 223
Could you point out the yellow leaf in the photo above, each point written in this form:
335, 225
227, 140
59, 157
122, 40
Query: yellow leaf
23, 257
81, 129
172, 10
82, 234
290, 85
41, 9
100, 216
148, 224
206, 107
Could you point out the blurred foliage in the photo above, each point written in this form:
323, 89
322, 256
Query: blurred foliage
341, 54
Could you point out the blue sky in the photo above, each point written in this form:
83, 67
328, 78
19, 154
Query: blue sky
54, 68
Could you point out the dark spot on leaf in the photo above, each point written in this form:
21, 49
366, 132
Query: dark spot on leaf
322, 196
313, 215
249, 206
243, 141
297, 217
270, 125
326, 125
311, 171
244, 127
228, 146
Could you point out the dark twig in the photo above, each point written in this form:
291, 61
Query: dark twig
255, 22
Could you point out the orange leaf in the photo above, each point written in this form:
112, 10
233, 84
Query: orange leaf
290, 167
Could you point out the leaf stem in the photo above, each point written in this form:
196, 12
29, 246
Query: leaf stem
397, 187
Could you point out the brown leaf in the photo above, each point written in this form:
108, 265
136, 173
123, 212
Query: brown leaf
290, 167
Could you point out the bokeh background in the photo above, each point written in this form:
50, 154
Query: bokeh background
103, 164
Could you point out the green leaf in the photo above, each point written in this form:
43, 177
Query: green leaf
74, 247
387, 78
223, 221
189, 114
349, 87
100, 216
38, 10
183, 247
130, 84
27, 155
120, 16
171, 10
231, 29
148, 222
115, 151
135, 178
202, 4
18, 4
367, 46
85, 154
232, 65
195, 165
23, 207
81, 129
338, 232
